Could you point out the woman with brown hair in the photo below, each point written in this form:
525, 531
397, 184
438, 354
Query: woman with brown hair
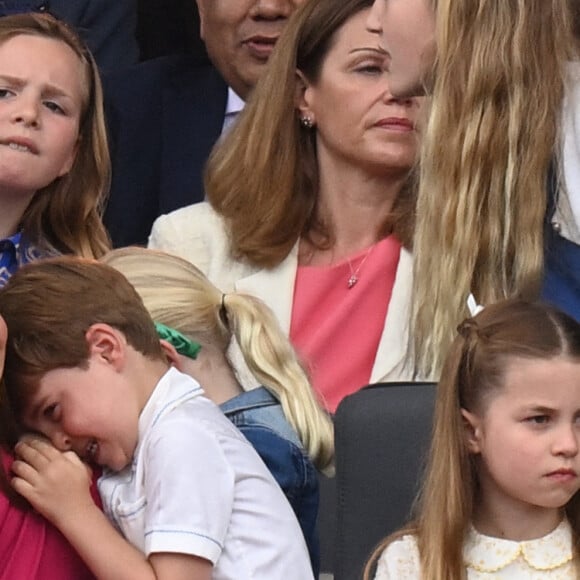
311, 201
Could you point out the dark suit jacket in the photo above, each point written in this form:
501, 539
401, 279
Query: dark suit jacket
164, 116
107, 26
167, 27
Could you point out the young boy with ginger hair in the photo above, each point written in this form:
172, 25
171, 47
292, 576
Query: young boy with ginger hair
84, 367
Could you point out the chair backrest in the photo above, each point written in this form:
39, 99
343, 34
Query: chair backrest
327, 524
382, 433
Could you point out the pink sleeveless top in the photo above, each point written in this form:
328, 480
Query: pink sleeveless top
337, 329
31, 548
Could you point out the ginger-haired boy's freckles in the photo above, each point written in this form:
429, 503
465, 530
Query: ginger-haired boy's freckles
94, 409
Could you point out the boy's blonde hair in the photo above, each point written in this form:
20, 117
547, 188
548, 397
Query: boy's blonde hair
66, 214
179, 295
473, 372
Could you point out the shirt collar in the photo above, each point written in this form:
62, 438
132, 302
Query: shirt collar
489, 555
235, 103
172, 390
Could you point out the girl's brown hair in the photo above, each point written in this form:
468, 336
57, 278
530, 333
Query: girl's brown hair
66, 214
473, 371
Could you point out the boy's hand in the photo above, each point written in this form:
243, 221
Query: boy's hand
57, 484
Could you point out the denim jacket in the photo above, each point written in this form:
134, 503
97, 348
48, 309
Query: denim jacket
259, 416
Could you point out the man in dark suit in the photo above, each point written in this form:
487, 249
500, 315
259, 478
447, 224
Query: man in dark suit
165, 115
107, 26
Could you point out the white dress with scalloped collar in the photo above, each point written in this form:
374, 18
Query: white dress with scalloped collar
487, 558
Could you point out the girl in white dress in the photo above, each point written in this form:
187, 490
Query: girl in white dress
500, 495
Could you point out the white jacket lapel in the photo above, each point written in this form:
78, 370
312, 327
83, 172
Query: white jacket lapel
275, 287
391, 353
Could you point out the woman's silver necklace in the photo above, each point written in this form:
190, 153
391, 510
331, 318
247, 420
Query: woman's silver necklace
354, 273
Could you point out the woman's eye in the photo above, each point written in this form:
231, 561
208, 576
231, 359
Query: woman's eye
5, 93
373, 69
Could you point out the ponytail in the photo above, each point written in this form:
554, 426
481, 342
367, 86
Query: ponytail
178, 294
272, 360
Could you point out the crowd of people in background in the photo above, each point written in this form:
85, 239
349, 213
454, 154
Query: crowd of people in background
325, 191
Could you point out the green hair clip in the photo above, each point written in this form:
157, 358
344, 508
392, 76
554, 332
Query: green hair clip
182, 344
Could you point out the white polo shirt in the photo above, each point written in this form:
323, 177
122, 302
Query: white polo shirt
196, 486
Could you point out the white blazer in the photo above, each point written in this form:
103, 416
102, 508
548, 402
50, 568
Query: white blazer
197, 234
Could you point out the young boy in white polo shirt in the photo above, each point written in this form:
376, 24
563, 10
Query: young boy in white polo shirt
84, 368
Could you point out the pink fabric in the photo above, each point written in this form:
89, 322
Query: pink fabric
337, 330
31, 548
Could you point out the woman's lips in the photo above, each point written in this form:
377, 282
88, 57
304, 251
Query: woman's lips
396, 124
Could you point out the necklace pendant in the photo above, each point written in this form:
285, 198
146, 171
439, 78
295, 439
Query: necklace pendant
352, 281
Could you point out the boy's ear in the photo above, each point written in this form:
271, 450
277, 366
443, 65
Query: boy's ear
472, 431
107, 343
173, 357
302, 97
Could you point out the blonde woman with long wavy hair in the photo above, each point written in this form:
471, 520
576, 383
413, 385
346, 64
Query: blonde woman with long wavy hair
499, 158
282, 418
500, 497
